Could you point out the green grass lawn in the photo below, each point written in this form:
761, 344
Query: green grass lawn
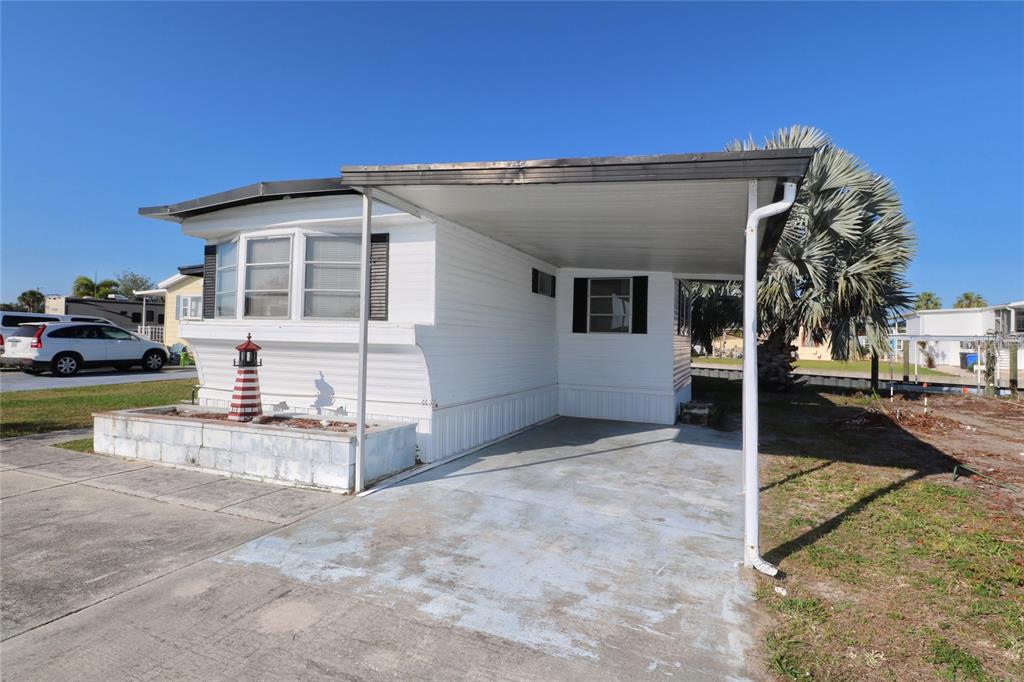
27, 412
892, 571
853, 366
78, 445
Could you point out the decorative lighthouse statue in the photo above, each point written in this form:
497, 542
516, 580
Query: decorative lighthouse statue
245, 400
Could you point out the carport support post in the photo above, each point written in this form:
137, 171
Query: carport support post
364, 322
751, 484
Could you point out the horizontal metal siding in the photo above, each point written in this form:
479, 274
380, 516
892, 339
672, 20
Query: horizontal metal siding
680, 361
493, 336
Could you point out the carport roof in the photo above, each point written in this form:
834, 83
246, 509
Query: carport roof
681, 213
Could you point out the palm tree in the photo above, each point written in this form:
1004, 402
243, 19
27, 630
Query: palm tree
838, 271
970, 299
32, 300
927, 300
84, 286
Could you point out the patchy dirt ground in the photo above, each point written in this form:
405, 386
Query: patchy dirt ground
892, 570
985, 434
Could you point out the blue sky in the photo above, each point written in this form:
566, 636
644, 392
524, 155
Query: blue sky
108, 107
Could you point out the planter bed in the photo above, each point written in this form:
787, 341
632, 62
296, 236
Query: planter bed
282, 448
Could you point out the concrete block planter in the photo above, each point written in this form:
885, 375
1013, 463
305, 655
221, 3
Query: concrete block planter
311, 457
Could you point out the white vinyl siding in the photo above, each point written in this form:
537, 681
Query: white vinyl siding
227, 280
267, 275
331, 285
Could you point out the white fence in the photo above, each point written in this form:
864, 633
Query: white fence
154, 333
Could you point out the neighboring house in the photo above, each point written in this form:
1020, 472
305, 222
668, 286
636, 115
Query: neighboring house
124, 312
182, 295
809, 349
501, 294
1005, 319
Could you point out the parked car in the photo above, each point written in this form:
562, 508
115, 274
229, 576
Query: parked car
9, 322
66, 347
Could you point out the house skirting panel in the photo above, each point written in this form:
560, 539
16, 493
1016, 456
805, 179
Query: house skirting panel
623, 405
684, 394
461, 427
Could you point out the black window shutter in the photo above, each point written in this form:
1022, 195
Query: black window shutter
535, 286
639, 305
579, 305
379, 254
209, 279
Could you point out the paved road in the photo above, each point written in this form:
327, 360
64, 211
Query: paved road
19, 381
579, 550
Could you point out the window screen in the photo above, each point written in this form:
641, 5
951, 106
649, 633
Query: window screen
609, 305
227, 280
267, 270
331, 288
543, 283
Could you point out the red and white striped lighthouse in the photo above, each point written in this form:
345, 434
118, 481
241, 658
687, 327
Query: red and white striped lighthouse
245, 399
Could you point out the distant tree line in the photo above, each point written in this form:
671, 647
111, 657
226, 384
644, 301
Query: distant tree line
125, 283
927, 300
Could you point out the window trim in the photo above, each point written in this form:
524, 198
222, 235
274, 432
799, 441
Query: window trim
629, 316
244, 291
302, 282
182, 305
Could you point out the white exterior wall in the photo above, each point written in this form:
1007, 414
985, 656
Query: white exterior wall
491, 353
618, 376
967, 322
469, 353
296, 351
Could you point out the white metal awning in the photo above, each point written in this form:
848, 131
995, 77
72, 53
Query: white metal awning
689, 227
670, 213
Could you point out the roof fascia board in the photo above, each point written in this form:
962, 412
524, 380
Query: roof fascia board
249, 194
781, 163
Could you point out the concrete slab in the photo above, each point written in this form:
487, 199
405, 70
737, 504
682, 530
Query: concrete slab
578, 550
68, 547
28, 453
286, 505
219, 494
14, 482
153, 481
83, 467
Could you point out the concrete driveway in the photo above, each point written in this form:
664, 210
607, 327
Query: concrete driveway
19, 381
580, 549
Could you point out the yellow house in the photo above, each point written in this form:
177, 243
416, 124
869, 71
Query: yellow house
183, 300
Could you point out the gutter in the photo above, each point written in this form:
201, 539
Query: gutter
751, 491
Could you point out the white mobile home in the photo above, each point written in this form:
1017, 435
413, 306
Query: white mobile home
498, 294
1000, 320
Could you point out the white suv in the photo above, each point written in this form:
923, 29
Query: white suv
66, 347
11, 320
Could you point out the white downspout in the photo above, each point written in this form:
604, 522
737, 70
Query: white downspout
752, 552
364, 318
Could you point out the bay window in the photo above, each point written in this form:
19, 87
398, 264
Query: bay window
267, 275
